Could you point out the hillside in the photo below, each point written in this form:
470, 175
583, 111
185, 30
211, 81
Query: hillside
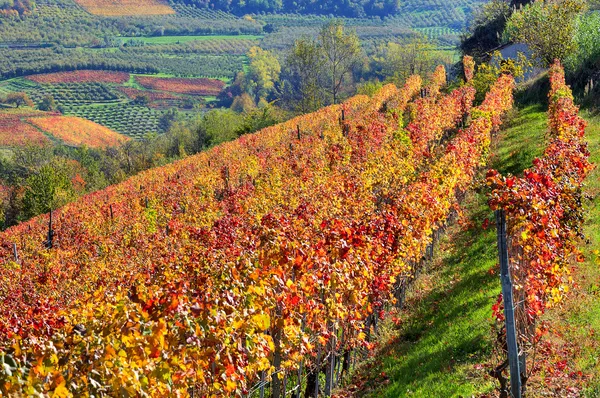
255, 235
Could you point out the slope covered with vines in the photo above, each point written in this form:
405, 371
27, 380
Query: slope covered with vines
269, 256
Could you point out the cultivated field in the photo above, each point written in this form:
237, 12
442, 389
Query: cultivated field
81, 76
15, 132
112, 8
182, 86
77, 131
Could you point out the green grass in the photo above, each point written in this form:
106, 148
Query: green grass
185, 39
444, 343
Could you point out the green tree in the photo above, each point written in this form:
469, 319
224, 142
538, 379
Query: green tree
48, 104
243, 103
219, 125
46, 190
302, 75
341, 51
397, 62
547, 27
167, 119
263, 73
141, 99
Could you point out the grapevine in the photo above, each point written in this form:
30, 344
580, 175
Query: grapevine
276, 250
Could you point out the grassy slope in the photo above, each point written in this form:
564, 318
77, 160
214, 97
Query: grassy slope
444, 344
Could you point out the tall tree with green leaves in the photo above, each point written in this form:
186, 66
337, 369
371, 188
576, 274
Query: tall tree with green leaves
263, 73
398, 61
547, 27
45, 190
341, 51
302, 76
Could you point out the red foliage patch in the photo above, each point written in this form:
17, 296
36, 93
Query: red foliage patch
15, 132
190, 86
81, 76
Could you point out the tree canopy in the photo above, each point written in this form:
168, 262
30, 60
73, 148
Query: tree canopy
547, 27
346, 8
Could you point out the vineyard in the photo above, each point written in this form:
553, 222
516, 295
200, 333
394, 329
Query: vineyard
113, 8
182, 86
108, 98
131, 120
82, 76
270, 256
545, 218
76, 131
15, 132
24, 127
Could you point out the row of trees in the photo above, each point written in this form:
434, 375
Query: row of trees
322, 70
346, 8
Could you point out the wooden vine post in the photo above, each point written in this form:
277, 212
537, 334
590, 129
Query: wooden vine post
49, 242
509, 309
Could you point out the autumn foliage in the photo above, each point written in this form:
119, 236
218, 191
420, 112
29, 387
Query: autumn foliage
133, 93
257, 255
14, 131
545, 213
192, 86
469, 67
81, 76
77, 131
114, 8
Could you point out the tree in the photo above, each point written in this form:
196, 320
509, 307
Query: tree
302, 88
397, 62
45, 190
141, 99
48, 104
341, 53
167, 119
18, 99
263, 73
219, 125
485, 30
547, 27
243, 103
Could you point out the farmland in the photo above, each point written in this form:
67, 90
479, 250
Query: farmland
109, 98
114, 8
20, 127
82, 76
76, 131
187, 39
16, 132
83, 53
131, 120
182, 86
